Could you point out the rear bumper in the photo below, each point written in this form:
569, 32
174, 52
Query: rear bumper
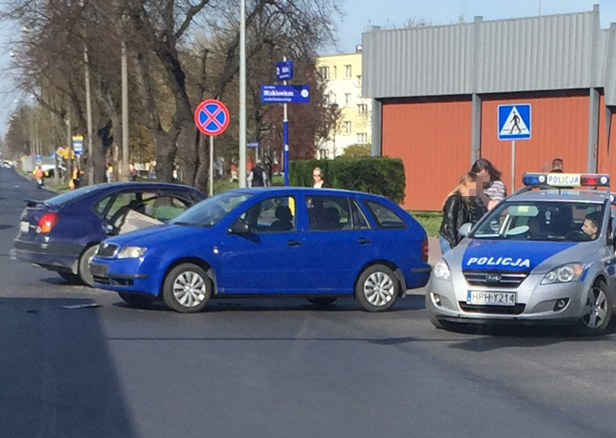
48, 255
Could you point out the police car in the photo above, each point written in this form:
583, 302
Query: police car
543, 255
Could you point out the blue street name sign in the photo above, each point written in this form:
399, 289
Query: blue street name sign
514, 122
38, 158
252, 144
284, 71
285, 94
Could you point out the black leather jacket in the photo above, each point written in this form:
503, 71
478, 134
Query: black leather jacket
456, 212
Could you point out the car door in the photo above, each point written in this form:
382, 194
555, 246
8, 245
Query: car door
338, 242
267, 259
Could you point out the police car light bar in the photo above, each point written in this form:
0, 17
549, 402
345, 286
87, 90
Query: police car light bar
566, 179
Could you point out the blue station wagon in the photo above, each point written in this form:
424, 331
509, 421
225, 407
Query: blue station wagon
62, 233
319, 244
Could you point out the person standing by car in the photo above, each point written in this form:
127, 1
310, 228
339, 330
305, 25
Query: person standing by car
132, 172
319, 181
457, 211
557, 165
257, 176
490, 188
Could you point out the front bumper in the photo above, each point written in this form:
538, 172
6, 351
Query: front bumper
535, 303
48, 255
122, 275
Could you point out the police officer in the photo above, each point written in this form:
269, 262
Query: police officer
257, 176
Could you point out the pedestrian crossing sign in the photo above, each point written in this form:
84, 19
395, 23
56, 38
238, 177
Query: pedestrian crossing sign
514, 122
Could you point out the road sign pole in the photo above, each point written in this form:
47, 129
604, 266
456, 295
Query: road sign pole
285, 139
211, 182
512, 166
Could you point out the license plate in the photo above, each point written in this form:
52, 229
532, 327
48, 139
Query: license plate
490, 298
98, 270
24, 227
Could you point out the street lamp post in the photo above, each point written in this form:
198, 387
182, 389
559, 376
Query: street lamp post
242, 164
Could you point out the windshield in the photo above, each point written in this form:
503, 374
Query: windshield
72, 195
211, 211
551, 221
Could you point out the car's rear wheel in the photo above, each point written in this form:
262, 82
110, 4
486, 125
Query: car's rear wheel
323, 301
84, 265
71, 278
597, 311
187, 288
377, 289
136, 300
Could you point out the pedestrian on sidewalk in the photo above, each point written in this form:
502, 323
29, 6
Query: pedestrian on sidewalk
319, 180
457, 211
490, 188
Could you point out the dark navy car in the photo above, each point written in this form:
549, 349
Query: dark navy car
318, 244
62, 233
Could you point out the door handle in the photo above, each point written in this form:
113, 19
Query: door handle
293, 243
364, 241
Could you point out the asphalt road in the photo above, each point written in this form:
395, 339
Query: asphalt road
267, 368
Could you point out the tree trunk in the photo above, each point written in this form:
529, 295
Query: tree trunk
201, 178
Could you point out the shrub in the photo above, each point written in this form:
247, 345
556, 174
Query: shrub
379, 175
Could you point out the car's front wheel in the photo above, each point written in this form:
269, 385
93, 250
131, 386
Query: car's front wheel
187, 288
377, 289
597, 311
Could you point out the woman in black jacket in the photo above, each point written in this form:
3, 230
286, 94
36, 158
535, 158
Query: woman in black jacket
457, 211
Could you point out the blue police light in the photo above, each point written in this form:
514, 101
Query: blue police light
534, 179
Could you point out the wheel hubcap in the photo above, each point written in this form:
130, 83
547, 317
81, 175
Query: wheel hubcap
379, 289
596, 308
189, 289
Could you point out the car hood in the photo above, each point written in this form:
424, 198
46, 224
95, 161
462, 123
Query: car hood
157, 235
514, 256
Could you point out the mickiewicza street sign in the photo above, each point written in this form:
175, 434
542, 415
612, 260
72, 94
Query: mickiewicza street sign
285, 94
514, 123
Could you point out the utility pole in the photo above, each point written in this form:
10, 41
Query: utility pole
125, 137
242, 164
89, 150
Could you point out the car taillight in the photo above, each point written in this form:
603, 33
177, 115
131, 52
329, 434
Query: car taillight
424, 250
47, 222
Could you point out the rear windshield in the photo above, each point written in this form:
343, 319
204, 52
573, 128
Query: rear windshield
73, 195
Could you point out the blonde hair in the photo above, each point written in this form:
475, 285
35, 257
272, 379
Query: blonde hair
464, 180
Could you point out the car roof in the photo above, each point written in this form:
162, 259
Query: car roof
305, 190
562, 195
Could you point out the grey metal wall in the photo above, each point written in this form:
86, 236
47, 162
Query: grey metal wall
568, 51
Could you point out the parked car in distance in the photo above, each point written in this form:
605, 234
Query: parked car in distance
319, 244
62, 233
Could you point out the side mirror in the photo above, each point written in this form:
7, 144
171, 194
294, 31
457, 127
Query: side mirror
239, 227
465, 229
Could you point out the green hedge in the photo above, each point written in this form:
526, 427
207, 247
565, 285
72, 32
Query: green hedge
379, 175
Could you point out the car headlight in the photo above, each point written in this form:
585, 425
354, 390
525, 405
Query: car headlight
564, 274
441, 270
131, 252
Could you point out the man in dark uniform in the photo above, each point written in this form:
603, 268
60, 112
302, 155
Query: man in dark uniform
257, 176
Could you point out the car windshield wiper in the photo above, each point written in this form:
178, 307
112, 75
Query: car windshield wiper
184, 224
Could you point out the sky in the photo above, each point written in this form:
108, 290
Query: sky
361, 14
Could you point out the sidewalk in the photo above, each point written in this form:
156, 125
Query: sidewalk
434, 251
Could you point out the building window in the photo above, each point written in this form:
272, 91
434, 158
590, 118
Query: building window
335, 75
347, 72
347, 99
362, 108
347, 127
324, 71
359, 80
362, 138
